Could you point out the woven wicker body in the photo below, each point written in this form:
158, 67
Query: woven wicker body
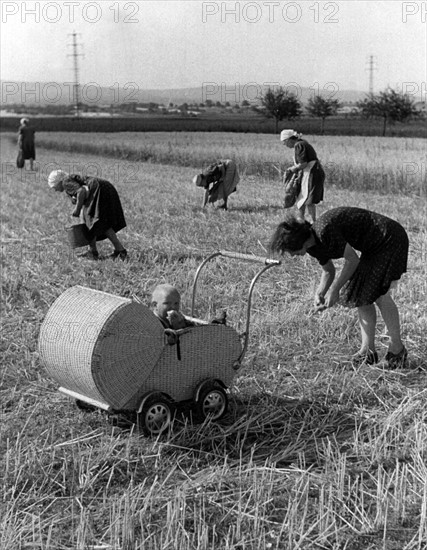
113, 350
205, 352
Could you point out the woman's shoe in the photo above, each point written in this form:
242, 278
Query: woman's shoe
397, 360
90, 255
119, 254
364, 358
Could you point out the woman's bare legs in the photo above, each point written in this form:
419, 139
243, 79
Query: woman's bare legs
397, 355
92, 251
92, 246
367, 322
205, 198
111, 235
390, 314
119, 249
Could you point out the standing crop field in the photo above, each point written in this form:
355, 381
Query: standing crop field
383, 165
313, 454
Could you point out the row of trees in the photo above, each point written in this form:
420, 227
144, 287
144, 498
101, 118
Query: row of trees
389, 105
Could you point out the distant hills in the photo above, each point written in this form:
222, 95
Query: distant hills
61, 93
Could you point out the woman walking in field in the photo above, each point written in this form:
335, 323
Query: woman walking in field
307, 166
99, 204
26, 144
364, 281
224, 177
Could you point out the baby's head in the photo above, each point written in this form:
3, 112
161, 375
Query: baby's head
165, 298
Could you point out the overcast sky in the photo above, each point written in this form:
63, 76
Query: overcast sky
164, 44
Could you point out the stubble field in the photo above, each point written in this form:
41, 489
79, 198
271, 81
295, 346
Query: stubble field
313, 454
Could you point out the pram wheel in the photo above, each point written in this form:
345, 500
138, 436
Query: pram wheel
156, 414
211, 400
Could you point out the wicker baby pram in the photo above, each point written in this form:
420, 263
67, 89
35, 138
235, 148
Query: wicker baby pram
113, 353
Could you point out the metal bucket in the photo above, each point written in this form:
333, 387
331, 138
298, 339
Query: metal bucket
78, 235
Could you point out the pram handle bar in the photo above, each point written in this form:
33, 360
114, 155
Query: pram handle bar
268, 263
249, 257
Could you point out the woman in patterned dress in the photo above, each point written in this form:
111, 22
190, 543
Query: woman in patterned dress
309, 169
224, 177
364, 280
98, 202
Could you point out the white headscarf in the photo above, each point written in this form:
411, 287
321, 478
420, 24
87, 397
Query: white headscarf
24, 121
56, 177
286, 134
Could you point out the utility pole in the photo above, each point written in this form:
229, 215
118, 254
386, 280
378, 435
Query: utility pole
76, 87
371, 68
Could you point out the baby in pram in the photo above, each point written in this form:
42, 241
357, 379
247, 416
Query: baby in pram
166, 304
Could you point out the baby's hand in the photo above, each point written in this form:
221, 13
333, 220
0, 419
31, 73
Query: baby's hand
176, 319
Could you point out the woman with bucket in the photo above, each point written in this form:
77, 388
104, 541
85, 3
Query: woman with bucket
309, 170
98, 203
224, 177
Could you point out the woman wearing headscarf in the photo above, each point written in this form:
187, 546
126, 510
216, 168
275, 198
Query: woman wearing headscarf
309, 169
26, 142
223, 176
98, 202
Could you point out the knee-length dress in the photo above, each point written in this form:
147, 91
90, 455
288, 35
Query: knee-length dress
225, 176
26, 141
383, 245
313, 175
102, 208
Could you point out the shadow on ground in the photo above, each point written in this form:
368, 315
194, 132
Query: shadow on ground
266, 427
260, 428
